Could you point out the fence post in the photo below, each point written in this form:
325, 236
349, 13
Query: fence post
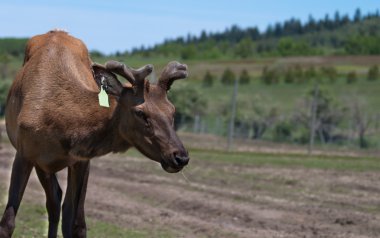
196, 123
232, 119
313, 119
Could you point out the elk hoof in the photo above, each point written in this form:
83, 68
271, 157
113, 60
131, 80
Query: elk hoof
80, 232
7, 224
4, 233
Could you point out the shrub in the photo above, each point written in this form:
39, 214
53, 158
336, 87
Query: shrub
208, 79
373, 73
4, 88
269, 76
310, 73
282, 131
228, 77
351, 77
189, 102
244, 78
298, 74
244, 48
289, 76
330, 73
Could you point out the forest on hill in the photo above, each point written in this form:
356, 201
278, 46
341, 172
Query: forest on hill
340, 34
333, 35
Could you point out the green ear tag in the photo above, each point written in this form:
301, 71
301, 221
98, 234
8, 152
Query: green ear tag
103, 98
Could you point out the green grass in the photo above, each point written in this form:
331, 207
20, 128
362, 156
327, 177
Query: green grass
357, 164
289, 161
283, 96
31, 221
348, 67
103, 229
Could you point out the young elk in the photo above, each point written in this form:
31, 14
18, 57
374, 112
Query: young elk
54, 121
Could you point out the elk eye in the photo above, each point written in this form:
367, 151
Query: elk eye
140, 114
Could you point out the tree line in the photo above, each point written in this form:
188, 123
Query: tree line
337, 34
290, 75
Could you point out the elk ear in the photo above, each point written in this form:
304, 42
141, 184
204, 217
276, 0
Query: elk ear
106, 79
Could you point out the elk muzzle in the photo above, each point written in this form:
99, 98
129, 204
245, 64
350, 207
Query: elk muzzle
175, 162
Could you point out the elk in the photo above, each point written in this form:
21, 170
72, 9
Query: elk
54, 121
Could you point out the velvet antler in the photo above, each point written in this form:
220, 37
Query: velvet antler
173, 71
134, 76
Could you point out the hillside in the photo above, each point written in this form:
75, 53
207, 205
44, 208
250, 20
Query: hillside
12, 46
328, 36
337, 35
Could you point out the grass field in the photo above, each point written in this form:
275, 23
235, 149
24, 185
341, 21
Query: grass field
291, 161
282, 96
286, 96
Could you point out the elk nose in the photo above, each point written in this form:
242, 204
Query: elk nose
181, 160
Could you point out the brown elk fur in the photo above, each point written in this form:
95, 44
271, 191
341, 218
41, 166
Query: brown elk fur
54, 121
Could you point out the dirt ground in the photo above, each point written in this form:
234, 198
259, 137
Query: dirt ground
222, 199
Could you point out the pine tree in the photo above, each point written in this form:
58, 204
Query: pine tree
244, 78
269, 76
351, 77
228, 77
373, 73
208, 79
358, 15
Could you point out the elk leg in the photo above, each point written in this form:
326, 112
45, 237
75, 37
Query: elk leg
73, 220
20, 175
53, 199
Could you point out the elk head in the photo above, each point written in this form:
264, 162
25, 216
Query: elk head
146, 114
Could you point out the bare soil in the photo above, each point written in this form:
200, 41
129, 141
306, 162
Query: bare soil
223, 200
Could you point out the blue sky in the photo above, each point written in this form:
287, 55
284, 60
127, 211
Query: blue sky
120, 24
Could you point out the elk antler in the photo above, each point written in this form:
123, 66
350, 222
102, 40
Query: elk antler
134, 76
173, 71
